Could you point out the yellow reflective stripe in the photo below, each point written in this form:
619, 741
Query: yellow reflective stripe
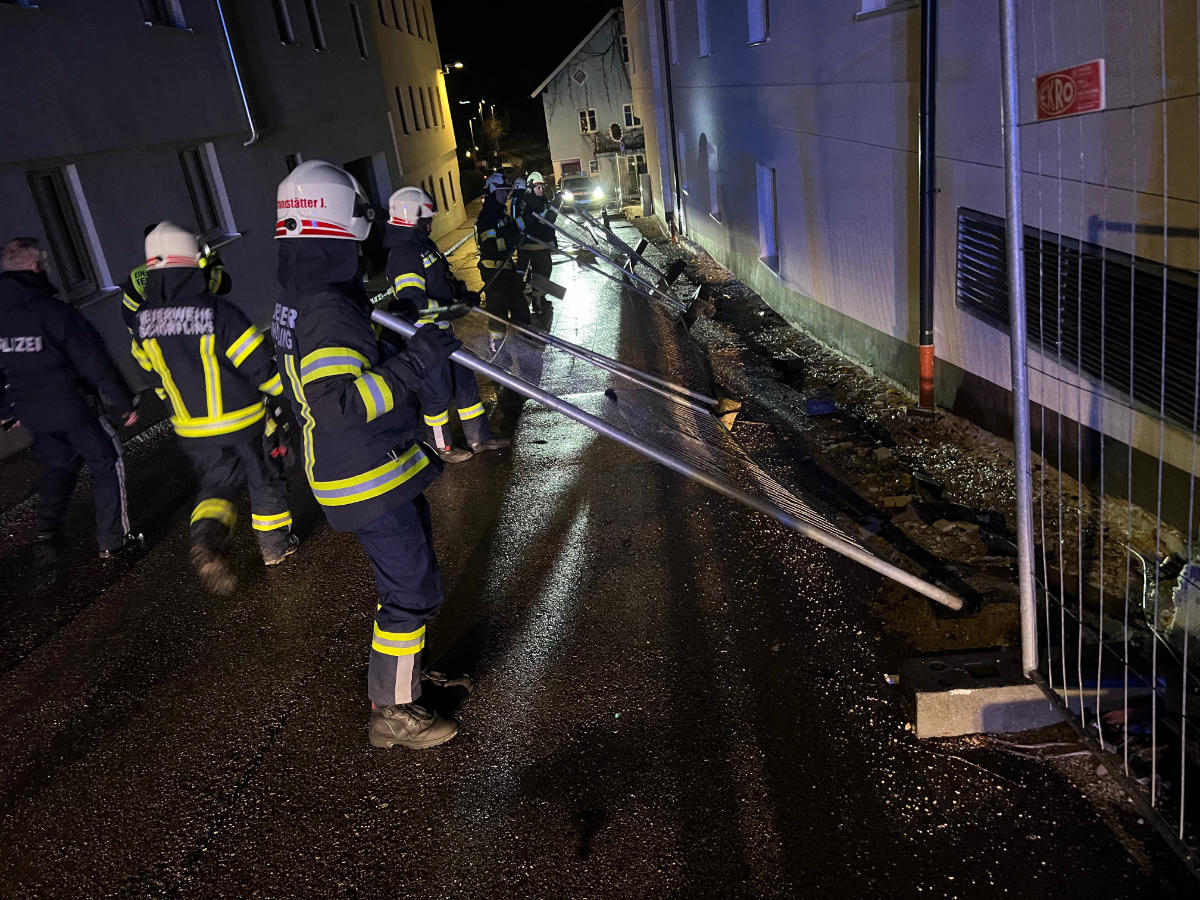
370, 484
409, 279
330, 361
440, 419
428, 259
150, 345
490, 233
398, 643
327, 353
376, 395
129, 303
246, 344
328, 371
306, 430
270, 523
212, 374
140, 355
471, 412
272, 386
208, 426
213, 508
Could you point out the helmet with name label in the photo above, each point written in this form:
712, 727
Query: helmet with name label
318, 199
408, 206
495, 182
169, 246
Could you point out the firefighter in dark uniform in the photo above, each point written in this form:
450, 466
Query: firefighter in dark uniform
54, 370
421, 280
133, 288
497, 235
357, 410
532, 257
213, 365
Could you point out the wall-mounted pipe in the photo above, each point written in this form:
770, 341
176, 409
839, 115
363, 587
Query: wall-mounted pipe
925, 154
237, 76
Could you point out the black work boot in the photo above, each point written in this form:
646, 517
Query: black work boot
275, 554
129, 543
452, 454
213, 570
493, 443
409, 725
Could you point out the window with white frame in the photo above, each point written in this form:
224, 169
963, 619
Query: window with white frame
702, 26
631, 121
768, 218
587, 121
163, 12
214, 217
74, 253
759, 21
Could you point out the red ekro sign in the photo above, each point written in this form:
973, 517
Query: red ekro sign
1069, 92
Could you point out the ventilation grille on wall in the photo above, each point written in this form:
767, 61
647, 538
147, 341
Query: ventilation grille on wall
1099, 311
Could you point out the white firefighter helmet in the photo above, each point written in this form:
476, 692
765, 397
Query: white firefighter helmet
320, 200
519, 184
408, 205
169, 246
495, 182
535, 178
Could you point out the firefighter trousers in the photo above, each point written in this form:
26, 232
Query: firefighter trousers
515, 352
452, 382
93, 442
400, 546
224, 465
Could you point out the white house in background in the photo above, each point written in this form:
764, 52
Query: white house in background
587, 94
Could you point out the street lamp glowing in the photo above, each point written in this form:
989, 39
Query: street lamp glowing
446, 69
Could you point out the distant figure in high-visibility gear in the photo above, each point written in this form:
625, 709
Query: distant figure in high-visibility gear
421, 281
213, 366
532, 257
497, 235
357, 409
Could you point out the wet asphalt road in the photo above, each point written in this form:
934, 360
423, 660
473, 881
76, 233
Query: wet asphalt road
674, 697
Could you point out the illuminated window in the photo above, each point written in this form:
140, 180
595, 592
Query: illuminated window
587, 121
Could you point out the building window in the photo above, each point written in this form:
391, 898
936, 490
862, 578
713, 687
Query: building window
624, 48
400, 106
407, 17
359, 36
412, 103
587, 121
163, 12
203, 178
631, 121
593, 167
63, 213
283, 22
682, 144
442, 185
417, 21
759, 21
292, 160
424, 107
702, 26
441, 104
314, 24
432, 106
714, 204
450, 178
768, 218
672, 31
383, 19
428, 30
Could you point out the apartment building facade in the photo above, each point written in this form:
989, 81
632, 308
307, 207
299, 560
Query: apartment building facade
140, 110
784, 137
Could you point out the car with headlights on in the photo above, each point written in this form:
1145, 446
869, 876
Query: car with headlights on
583, 192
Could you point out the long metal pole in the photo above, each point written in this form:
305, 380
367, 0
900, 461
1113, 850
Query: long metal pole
1015, 231
620, 244
644, 379
674, 304
838, 545
928, 202
649, 286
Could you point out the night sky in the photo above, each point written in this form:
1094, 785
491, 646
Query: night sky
509, 52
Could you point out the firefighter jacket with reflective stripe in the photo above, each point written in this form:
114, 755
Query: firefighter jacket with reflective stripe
53, 362
211, 362
532, 227
419, 276
356, 405
133, 289
496, 234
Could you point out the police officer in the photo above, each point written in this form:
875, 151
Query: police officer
56, 370
421, 280
133, 288
357, 408
497, 235
213, 365
532, 257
